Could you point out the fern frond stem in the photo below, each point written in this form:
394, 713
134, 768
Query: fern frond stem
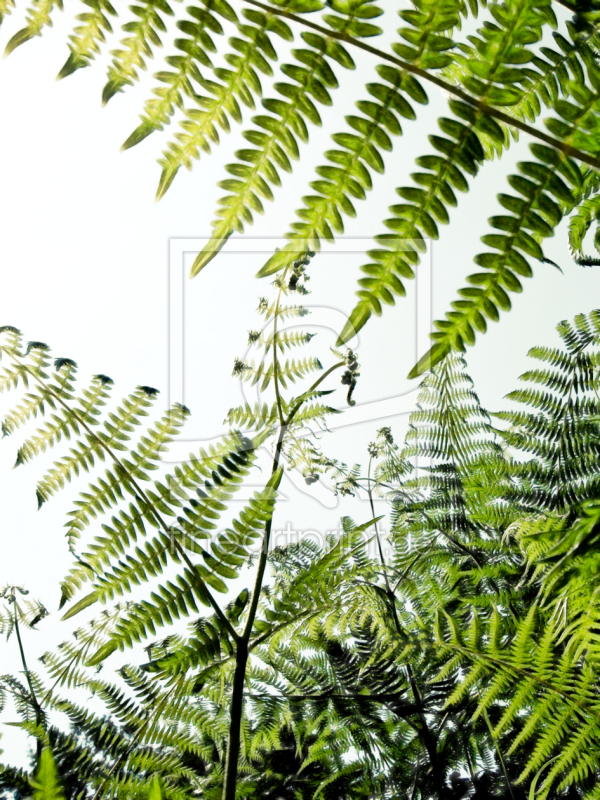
491, 111
376, 698
500, 757
264, 550
275, 359
457, 543
468, 757
242, 651
388, 589
243, 641
146, 501
34, 700
381, 558
315, 385
427, 737
136, 737
405, 573
235, 720
67, 669
304, 615
413, 788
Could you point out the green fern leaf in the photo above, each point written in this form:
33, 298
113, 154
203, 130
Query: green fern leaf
88, 37
144, 33
38, 16
46, 784
220, 105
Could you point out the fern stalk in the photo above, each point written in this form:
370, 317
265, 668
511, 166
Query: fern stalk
34, 700
243, 641
490, 111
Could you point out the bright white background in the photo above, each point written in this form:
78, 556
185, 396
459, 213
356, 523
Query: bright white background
84, 260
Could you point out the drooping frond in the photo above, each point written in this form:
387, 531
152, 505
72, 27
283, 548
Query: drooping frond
252, 51
39, 16
88, 38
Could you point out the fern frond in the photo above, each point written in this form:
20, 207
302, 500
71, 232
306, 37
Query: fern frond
144, 33
214, 476
276, 140
288, 371
87, 38
488, 77
535, 211
39, 16
46, 783
580, 223
348, 175
251, 55
193, 50
250, 418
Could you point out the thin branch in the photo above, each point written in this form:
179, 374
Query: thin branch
243, 646
567, 149
498, 751
315, 385
381, 558
375, 698
276, 360
34, 700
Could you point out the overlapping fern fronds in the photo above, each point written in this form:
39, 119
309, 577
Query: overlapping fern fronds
163, 539
466, 662
558, 426
288, 56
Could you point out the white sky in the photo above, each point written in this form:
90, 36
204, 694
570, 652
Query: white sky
84, 254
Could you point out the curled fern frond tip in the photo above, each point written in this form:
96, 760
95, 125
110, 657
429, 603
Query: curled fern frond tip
149, 391
59, 363
36, 346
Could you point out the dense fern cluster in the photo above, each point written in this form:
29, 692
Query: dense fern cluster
466, 663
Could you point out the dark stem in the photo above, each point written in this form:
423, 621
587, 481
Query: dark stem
381, 558
235, 720
275, 359
499, 753
428, 738
241, 653
567, 149
34, 700
243, 641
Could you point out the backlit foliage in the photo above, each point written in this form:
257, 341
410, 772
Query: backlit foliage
272, 67
465, 663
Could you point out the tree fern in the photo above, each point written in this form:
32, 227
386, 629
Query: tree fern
499, 81
464, 664
164, 523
